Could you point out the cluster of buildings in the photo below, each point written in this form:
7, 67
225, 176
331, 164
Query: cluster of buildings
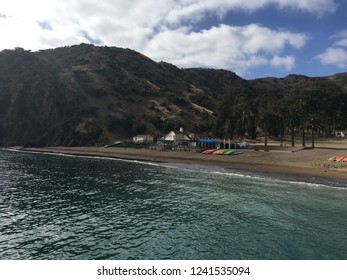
174, 139
181, 140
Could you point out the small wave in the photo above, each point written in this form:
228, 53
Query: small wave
299, 181
201, 168
84, 156
260, 177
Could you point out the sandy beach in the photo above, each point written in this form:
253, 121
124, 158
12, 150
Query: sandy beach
287, 162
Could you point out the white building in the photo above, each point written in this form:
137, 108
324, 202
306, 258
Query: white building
177, 139
341, 133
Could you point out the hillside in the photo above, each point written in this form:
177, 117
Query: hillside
83, 95
286, 84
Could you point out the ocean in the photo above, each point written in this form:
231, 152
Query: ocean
67, 207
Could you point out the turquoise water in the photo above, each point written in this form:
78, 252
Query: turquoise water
63, 207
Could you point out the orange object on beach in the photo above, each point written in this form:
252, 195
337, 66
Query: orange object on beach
333, 158
339, 158
219, 152
344, 159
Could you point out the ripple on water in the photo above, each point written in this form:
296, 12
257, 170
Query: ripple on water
84, 208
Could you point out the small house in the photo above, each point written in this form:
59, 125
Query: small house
341, 133
177, 139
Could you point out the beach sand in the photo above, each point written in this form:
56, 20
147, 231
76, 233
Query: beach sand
289, 163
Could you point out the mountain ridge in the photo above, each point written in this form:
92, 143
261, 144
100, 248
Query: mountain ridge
83, 95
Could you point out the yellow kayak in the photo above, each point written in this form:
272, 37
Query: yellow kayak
219, 152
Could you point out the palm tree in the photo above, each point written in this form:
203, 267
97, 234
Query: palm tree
292, 109
292, 116
303, 127
265, 116
312, 121
280, 116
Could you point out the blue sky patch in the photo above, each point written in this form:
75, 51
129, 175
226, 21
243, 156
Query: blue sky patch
251, 38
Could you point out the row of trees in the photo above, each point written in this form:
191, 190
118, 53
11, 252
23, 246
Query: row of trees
311, 106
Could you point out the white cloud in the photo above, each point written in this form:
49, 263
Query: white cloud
316, 7
163, 30
337, 53
334, 56
237, 47
341, 38
192, 9
288, 62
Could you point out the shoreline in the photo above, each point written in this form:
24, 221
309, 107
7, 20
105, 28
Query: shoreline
301, 166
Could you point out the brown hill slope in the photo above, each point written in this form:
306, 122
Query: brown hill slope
84, 94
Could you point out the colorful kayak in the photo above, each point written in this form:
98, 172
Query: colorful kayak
208, 152
229, 152
235, 153
343, 159
232, 153
338, 158
219, 152
333, 158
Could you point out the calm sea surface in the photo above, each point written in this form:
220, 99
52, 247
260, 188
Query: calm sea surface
63, 207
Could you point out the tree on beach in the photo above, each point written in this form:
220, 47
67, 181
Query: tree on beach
292, 109
309, 106
236, 114
314, 107
265, 116
313, 123
280, 116
331, 99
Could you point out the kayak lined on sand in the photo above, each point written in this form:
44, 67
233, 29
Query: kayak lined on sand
208, 152
222, 152
218, 152
234, 153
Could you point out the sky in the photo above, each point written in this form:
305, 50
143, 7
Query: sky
253, 38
